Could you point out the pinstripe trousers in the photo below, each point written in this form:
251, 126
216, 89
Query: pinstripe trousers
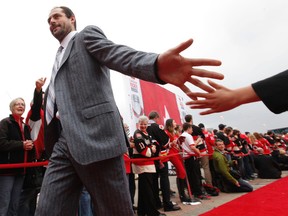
106, 181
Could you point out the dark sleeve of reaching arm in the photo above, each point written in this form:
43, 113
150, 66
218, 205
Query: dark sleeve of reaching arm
273, 91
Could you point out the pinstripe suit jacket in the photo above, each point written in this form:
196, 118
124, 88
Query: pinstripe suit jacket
89, 116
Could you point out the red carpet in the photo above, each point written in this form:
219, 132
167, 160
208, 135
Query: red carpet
271, 199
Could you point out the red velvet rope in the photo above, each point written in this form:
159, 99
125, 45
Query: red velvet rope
161, 157
45, 163
20, 165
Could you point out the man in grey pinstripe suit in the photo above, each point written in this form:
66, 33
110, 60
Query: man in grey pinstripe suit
86, 138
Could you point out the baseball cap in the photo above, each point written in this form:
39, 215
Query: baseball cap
221, 126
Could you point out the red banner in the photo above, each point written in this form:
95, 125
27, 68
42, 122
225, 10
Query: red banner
156, 98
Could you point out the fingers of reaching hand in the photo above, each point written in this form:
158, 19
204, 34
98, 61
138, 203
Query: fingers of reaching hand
200, 84
210, 111
199, 106
215, 85
196, 95
196, 82
202, 104
206, 103
187, 91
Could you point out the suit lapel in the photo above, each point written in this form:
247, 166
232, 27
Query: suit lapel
67, 51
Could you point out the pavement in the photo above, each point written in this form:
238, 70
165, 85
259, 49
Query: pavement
215, 201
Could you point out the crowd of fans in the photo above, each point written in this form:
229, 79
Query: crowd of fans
205, 161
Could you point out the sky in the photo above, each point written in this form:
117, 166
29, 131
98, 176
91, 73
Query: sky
249, 37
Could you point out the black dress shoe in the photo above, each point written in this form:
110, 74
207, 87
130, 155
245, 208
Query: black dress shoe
159, 206
172, 208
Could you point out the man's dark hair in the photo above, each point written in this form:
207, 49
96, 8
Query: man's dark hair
270, 132
69, 13
186, 126
218, 140
188, 118
153, 115
201, 125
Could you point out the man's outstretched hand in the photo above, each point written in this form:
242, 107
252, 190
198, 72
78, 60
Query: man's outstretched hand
177, 70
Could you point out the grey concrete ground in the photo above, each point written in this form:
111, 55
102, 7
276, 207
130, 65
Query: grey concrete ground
206, 205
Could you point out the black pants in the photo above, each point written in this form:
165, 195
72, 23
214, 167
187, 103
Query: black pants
28, 200
132, 186
193, 171
162, 172
213, 173
146, 198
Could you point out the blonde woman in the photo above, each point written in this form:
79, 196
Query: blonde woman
15, 147
145, 148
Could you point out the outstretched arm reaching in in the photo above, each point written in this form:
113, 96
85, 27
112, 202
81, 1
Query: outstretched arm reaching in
222, 98
272, 91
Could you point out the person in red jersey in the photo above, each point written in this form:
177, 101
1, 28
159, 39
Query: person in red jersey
177, 161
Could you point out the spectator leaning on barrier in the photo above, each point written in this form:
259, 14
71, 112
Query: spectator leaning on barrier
145, 147
192, 165
177, 161
16, 146
157, 132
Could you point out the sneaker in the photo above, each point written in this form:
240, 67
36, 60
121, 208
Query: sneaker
159, 206
192, 202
